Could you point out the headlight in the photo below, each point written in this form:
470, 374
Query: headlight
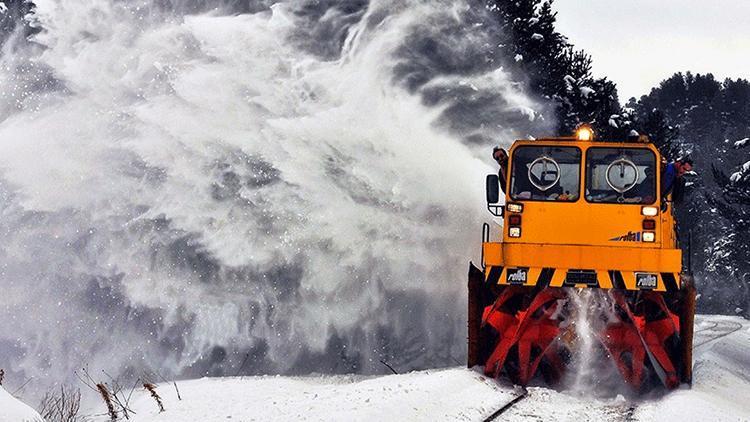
513, 207
514, 232
650, 211
649, 237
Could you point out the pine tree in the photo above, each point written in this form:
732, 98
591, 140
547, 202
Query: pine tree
728, 253
654, 124
555, 70
698, 114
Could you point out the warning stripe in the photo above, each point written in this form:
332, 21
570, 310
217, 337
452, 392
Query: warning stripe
545, 277
494, 275
556, 277
617, 280
670, 283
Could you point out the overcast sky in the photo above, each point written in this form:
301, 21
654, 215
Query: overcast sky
639, 43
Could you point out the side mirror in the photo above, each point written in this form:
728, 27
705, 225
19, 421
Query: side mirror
493, 196
493, 189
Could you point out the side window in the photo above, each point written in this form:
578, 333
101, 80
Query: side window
545, 173
620, 175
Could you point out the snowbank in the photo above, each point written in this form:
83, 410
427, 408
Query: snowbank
720, 393
12, 410
721, 378
452, 394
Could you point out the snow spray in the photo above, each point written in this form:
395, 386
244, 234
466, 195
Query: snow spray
213, 188
592, 373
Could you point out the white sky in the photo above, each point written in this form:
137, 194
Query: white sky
639, 43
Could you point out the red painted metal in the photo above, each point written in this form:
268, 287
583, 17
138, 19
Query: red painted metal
640, 340
641, 335
531, 331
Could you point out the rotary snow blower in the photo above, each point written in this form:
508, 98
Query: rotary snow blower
580, 213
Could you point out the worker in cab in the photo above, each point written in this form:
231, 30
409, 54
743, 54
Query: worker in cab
672, 177
644, 191
501, 156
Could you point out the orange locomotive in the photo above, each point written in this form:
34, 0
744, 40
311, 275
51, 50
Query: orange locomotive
582, 214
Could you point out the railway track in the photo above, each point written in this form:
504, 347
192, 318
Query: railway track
728, 328
716, 324
505, 407
705, 335
530, 409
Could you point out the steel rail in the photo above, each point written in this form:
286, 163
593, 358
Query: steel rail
737, 326
506, 406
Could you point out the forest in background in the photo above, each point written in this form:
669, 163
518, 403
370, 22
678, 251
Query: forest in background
686, 114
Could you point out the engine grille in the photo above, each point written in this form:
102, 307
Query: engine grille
587, 277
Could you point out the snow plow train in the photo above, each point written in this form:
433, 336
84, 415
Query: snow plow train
582, 214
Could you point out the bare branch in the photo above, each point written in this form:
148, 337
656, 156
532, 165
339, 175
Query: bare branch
62, 405
17, 390
177, 390
247, 356
389, 366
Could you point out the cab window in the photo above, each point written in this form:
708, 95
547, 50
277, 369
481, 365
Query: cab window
620, 175
545, 173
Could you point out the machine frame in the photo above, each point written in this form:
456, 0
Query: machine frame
551, 247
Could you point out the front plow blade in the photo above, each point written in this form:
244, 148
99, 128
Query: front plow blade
525, 334
687, 325
645, 342
480, 296
520, 332
512, 330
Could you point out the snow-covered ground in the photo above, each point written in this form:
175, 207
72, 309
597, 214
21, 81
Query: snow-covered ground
721, 392
12, 410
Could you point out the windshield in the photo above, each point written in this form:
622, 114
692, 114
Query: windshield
620, 175
545, 173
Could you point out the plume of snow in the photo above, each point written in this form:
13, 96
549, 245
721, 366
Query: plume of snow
183, 188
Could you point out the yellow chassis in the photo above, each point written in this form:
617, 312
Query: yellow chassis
549, 265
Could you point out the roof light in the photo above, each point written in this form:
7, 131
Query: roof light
649, 211
585, 134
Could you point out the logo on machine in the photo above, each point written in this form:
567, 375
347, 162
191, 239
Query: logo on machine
645, 280
629, 237
516, 275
